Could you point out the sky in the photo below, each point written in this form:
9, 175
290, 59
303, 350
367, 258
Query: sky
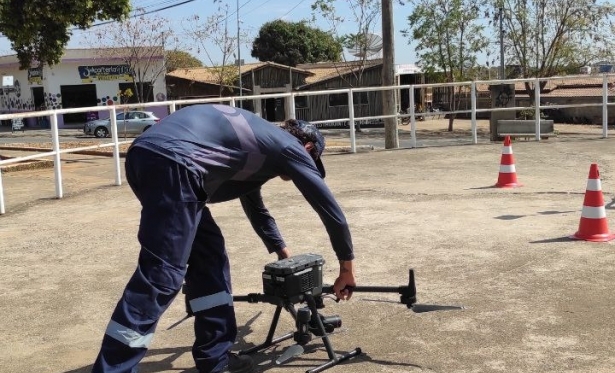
253, 14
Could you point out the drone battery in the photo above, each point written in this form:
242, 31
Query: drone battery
292, 277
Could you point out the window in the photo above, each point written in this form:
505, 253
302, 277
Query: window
360, 98
338, 99
301, 102
341, 99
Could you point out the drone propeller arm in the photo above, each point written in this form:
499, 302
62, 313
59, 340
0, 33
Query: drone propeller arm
408, 292
257, 298
368, 289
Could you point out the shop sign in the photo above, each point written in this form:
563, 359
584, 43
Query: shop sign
35, 76
88, 74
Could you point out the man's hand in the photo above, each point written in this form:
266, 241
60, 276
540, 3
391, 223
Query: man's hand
283, 253
345, 279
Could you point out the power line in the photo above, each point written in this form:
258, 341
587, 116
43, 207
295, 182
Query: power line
293, 8
141, 13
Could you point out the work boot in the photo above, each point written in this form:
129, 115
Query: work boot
239, 364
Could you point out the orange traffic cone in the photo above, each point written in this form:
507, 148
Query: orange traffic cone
593, 225
508, 175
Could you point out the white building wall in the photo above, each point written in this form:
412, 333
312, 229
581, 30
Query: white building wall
18, 97
67, 73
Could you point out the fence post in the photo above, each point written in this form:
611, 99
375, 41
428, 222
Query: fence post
172, 108
57, 161
605, 107
353, 139
473, 100
233, 102
412, 119
537, 107
2, 210
116, 146
293, 113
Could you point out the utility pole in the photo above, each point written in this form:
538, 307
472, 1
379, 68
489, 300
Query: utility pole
391, 138
239, 57
502, 69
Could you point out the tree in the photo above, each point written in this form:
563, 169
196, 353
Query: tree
40, 29
138, 42
449, 37
548, 37
293, 43
176, 59
214, 29
363, 14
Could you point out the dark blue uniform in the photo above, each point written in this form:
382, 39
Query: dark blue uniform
198, 155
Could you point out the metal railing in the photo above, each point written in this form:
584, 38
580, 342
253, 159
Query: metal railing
56, 151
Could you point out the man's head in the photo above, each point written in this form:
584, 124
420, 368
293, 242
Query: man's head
310, 137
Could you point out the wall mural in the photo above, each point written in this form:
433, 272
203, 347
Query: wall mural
12, 101
108, 100
53, 101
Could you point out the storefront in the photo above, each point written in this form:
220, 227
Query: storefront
83, 78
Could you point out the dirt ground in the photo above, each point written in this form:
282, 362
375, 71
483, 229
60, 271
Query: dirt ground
533, 299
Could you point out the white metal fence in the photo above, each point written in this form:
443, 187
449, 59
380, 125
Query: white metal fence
470, 86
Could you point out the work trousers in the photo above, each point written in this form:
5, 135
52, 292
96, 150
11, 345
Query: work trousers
179, 241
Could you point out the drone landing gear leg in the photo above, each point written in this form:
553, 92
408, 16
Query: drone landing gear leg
270, 340
333, 358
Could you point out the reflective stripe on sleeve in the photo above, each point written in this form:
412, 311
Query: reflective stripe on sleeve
211, 301
128, 336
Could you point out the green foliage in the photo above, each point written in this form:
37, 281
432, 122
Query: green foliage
293, 43
448, 36
39, 29
530, 113
553, 37
176, 59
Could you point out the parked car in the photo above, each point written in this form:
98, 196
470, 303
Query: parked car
133, 123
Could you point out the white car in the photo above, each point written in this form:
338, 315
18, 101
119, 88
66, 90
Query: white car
134, 123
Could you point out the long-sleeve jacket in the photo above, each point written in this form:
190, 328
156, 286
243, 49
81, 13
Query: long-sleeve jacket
235, 152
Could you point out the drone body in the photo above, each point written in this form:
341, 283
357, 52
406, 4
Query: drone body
298, 279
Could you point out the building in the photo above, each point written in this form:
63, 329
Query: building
256, 79
83, 78
269, 77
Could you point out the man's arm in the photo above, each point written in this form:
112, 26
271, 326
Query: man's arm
302, 171
263, 223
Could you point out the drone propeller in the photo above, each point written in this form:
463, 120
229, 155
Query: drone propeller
421, 308
175, 324
291, 352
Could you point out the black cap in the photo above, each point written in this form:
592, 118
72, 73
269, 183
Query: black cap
307, 132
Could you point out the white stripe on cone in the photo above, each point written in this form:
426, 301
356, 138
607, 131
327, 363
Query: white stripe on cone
594, 185
507, 150
507, 168
590, 212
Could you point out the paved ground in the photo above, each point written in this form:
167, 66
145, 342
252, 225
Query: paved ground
535, 301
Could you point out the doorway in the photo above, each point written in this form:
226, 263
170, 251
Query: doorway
273, 109
38, 96
75, 96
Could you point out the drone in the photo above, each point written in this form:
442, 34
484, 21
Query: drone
295, 284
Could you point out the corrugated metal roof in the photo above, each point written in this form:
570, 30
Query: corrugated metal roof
589, 86
197, 74
328, 70
209, 74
